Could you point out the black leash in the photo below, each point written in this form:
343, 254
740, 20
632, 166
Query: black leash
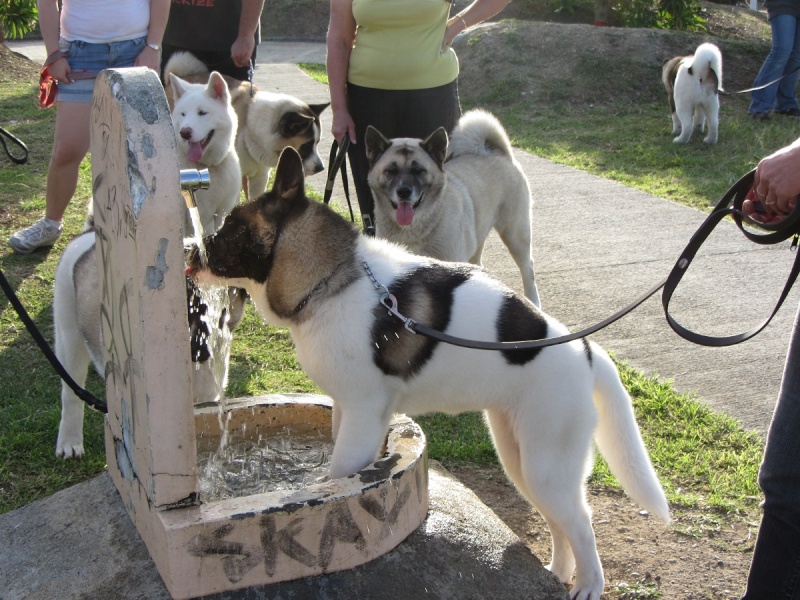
730, 204
46, 350
337, 163
17, 142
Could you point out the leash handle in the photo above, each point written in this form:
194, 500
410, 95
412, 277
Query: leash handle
46, 350
731, 204
19, 160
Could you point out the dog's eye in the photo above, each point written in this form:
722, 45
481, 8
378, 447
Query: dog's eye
392, 171
202, 113
417, 170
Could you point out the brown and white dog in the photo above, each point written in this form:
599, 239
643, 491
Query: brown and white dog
308, 269
693, 84
268, 123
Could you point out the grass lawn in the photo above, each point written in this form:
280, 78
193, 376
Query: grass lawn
703, 458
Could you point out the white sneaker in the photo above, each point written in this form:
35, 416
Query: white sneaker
37, 235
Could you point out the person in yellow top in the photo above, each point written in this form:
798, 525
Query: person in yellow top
390, 65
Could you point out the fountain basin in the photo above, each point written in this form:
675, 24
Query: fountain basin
281, 535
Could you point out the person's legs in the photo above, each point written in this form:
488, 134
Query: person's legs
775, 569
69, 147
783, 40
786, 100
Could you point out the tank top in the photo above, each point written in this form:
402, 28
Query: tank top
398, 45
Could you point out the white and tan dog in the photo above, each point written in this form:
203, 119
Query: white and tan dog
78, 344
442, 199
693, 84
268, 123
544, 406
205, 125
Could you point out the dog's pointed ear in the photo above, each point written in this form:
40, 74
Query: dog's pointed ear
217, 88
294, 123
289, 178
375, 145
436, 145
318, 108
178, 87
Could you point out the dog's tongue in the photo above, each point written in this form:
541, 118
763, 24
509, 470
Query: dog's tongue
195, 151
404, 214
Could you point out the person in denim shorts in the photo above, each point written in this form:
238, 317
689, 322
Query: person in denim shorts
85, 37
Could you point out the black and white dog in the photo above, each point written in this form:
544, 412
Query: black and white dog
544, 407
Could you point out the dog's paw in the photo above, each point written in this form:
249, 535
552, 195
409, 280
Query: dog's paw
586, 590
67, 450
680, 140
710, 140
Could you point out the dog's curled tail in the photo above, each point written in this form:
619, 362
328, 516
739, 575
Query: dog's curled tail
478, 132
707, 59
619, 440
184, 64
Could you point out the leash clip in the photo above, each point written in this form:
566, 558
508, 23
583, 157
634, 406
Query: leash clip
793, 245
390, 303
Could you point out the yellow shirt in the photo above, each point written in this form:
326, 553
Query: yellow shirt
398, 45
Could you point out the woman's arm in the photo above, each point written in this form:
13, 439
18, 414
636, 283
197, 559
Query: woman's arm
245, 42
159, 13
341, 36
475, 13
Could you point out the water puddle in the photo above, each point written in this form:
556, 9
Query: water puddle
281, 459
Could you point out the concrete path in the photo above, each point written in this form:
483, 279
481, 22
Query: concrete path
598, 245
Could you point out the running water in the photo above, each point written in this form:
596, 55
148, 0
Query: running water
197, 227
282, 458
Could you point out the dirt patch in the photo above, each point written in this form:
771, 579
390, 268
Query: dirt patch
701, 556
15, 67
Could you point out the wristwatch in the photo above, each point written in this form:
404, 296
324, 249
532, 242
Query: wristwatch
155, 47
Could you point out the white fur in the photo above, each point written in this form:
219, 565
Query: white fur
199, 111
76, 320
543, 415
697, 102
480, 187
259, 141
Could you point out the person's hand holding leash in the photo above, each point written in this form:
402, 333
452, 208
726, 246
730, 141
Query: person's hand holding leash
776, 186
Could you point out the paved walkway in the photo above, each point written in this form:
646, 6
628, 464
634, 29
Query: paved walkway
599, 244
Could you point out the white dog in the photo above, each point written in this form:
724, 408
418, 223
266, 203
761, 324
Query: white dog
268, 122
693, 84
76, 319
205, 124
544, 406
441, 198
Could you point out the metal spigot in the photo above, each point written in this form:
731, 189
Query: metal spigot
191, 180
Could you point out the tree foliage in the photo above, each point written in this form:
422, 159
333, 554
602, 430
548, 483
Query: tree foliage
17, 17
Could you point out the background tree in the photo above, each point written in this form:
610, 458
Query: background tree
17, 17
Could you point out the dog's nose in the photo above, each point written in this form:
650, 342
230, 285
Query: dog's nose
404, 192
186, 133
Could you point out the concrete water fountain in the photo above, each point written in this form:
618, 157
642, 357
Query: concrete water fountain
152, 428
